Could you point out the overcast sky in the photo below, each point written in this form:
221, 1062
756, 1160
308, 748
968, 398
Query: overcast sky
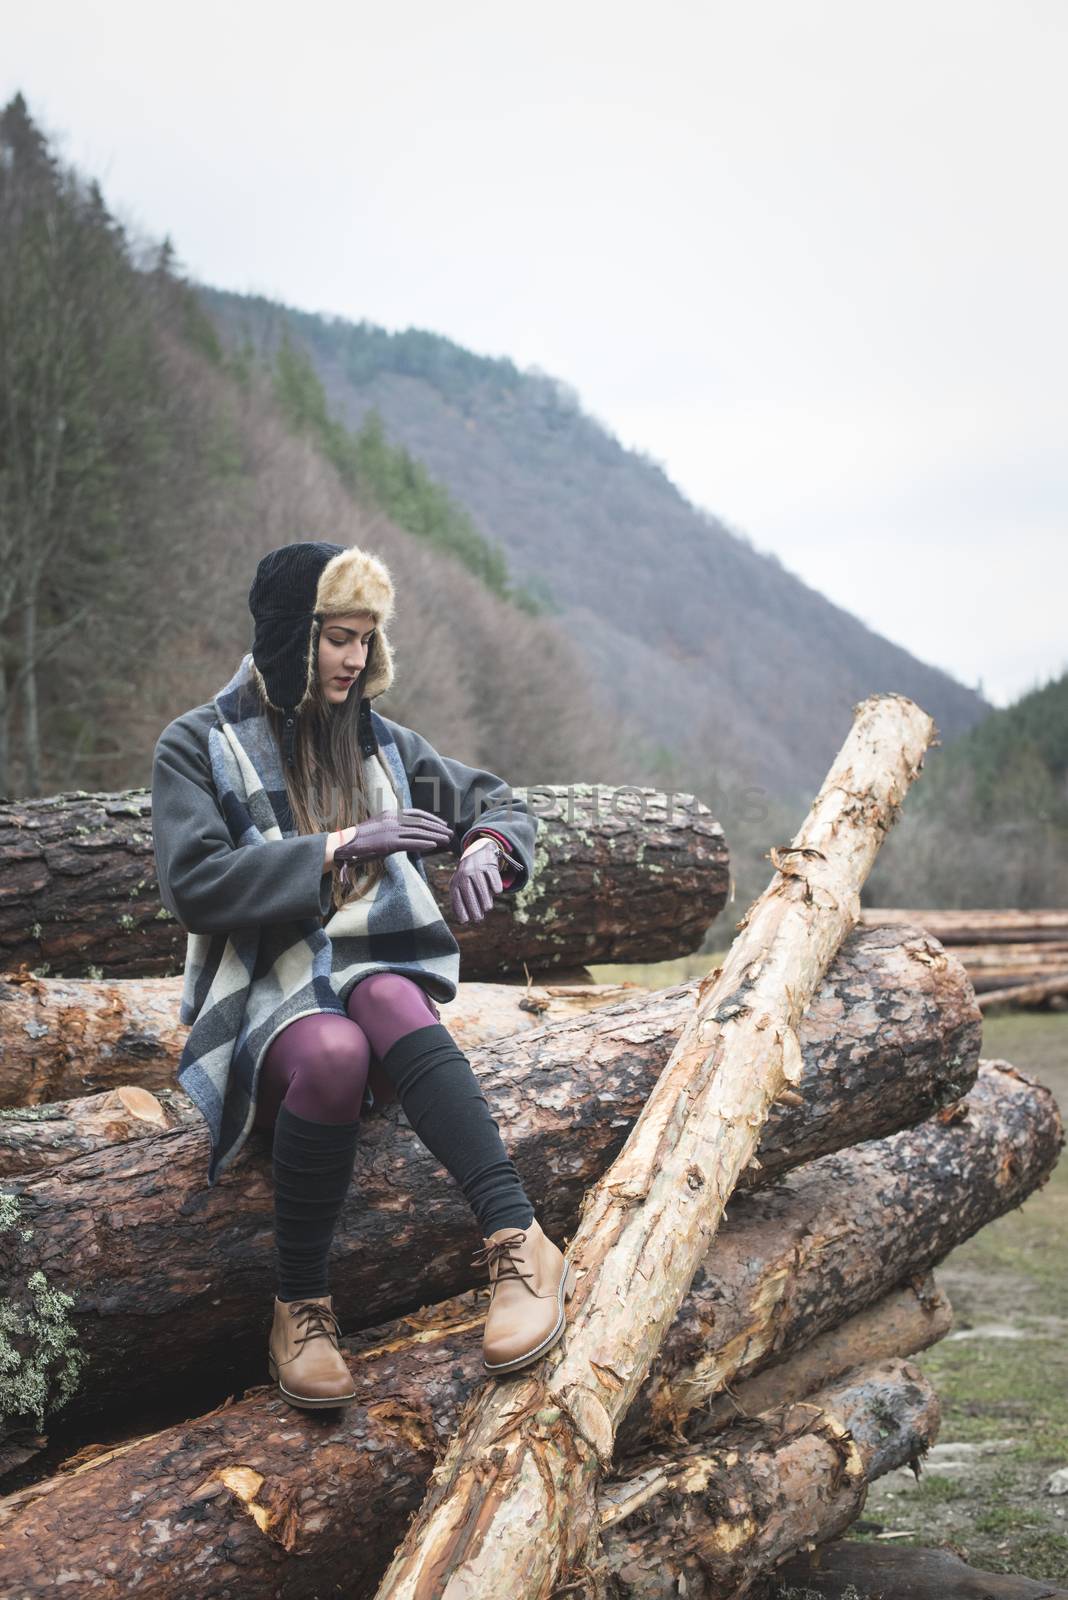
809, 256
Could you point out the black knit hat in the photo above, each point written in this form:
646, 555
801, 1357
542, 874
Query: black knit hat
283, 602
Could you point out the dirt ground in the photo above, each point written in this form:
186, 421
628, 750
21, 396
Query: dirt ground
1002, 1374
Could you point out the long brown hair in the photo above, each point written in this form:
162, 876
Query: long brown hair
326, 787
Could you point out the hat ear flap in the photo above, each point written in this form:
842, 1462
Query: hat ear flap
380, 665
312, 664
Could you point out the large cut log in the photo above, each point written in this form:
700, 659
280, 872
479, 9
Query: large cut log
902, 1322
513, 1511
974, 927
256, 1478
1024, 994
628, 874
158, 1262
47, 1137
1030, 955
251, 1498
709, 1520
846, 1571
894, 1008
988, 1153
1010, 971
64, 1037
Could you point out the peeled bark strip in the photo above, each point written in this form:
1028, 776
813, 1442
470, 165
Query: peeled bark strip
337, 1488
709, 1521
564, 1097
513, 1506
621, 875
900, 1324
64, 1037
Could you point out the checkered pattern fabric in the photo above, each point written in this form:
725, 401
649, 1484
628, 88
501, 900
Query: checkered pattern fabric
241, 988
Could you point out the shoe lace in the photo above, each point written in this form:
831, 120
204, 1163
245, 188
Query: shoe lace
316, 1321
498, 1257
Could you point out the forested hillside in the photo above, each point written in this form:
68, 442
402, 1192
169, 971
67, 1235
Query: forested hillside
144, 469
563, 613
719, 652
988, 826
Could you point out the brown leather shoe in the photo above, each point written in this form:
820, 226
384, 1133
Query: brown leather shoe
304, 1356
531, 1280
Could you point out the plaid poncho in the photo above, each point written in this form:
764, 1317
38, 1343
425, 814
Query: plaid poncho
244, 984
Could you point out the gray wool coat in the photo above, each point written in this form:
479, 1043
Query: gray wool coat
249, 909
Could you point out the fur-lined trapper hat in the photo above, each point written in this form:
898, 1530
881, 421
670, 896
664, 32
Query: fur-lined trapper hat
295, 589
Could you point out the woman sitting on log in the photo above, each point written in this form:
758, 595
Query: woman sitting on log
288, 847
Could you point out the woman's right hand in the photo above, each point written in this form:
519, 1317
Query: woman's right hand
387, 832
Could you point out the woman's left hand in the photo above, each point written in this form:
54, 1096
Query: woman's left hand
475, 882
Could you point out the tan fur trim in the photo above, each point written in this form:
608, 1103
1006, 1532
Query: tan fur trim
380, 676
355, 580
311, 666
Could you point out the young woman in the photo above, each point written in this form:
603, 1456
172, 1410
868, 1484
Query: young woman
290, 821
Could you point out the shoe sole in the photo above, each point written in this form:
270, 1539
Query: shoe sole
568, 1281
307, 1402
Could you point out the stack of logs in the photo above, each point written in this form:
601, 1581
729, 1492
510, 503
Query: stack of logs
783, 1385
1011, 957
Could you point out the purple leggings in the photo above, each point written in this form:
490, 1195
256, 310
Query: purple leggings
318, 1065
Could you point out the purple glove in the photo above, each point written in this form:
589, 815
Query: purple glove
474, 883
389, 831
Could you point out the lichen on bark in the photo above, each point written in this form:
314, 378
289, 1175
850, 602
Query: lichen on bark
41, 1364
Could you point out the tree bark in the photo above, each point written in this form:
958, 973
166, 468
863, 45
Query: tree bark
46, 1138
1005, 966
228, 1495
708, 1521
564, 1097
65, 1037
1024, 994
842, 1571
203, 1484
974, 927
513, 1505
988, 1153
902, 1322
893, 1032
621, 876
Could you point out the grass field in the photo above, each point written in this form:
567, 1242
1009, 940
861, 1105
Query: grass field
1002, 1375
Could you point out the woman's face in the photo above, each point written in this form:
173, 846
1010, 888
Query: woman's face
344, 643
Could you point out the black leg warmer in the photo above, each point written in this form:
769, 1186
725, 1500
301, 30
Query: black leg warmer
441, 1098
313, 1164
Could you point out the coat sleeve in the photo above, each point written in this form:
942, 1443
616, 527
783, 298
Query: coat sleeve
470, 799
206, 881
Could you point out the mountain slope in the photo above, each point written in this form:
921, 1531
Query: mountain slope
706, 641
